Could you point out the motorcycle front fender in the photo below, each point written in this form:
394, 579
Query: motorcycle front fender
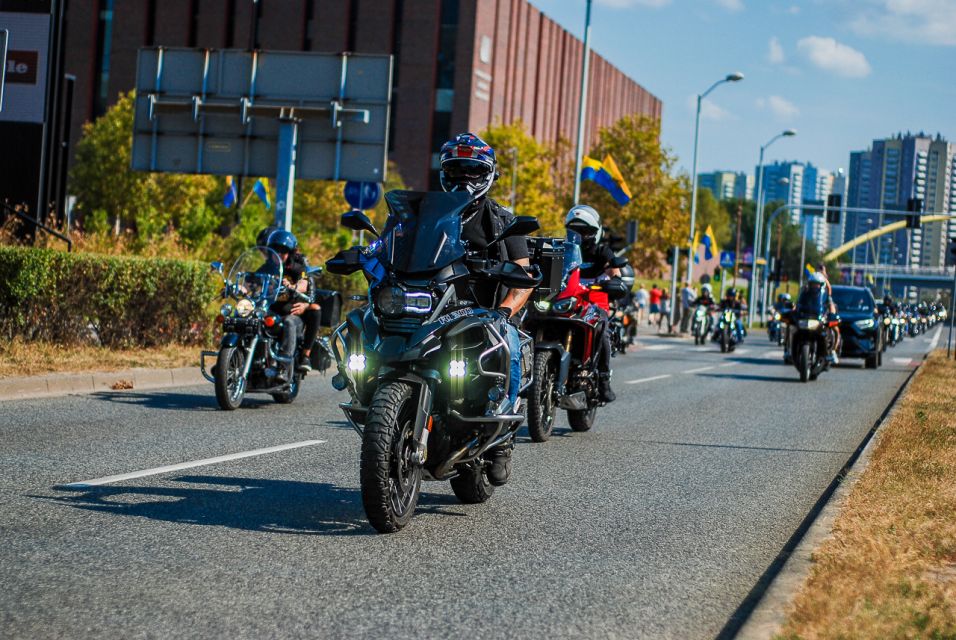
229, 340
564, 359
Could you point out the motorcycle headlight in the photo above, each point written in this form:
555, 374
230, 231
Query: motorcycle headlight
866, 323
244, 307
887, 321
776, 317
565, 305
225, 310
542, 305
809, 324
390, 301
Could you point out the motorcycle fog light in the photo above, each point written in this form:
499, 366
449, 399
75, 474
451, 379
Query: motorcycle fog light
356, 362
542, 305
244, 307
456, 368
225, 310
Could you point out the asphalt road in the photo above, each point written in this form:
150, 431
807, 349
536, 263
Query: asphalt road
655, 524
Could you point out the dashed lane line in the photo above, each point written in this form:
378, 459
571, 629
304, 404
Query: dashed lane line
728, 364
699, 369
188, 465
658, 347
903, 361
640, 380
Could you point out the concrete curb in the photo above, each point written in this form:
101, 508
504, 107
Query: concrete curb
770, 614
62, 384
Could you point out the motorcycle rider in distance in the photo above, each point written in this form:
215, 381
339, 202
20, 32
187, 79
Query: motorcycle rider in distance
837, 339
784, 306
469, 164
297, 315
597, 257
730, 301
706, 297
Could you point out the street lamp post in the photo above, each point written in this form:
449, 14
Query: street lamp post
582, 105
759, 221
733, 77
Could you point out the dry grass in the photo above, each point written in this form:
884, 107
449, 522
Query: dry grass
20, 358
889, 569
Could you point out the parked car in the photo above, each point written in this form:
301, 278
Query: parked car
860, 325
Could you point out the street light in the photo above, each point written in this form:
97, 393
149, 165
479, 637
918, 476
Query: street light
733, 77
759, 219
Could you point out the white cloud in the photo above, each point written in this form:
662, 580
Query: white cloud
793, 10
781, 108
920, 21
775, 53
731, 5
708, 110
832, 56
627, 4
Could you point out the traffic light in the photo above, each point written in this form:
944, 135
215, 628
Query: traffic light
834, 204
951, 254
717, 274
915, 207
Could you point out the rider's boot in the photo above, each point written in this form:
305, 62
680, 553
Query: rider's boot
604, 389
499, 463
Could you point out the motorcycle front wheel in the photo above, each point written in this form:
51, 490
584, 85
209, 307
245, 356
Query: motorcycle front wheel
542, 405
230, 385
805, 362
389, 475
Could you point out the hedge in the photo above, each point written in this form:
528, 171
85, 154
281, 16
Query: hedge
118, 301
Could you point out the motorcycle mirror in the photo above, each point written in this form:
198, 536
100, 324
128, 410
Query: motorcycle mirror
358, 221
216, 266
314, 271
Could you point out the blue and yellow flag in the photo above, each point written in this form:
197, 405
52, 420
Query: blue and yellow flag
710, 243
608, 176
695, 246
809, 270
261, 189
231, 194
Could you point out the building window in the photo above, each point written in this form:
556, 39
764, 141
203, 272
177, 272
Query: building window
104, 43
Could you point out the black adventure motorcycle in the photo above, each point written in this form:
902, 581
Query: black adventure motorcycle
248, 359
426, 368
812, 335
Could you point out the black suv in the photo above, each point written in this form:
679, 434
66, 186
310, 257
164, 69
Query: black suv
860, 324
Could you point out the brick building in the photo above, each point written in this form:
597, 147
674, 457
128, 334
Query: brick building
459, 64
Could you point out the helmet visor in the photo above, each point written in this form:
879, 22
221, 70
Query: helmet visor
465, 169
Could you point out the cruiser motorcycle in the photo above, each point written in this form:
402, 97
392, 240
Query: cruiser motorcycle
426, 369
812, 335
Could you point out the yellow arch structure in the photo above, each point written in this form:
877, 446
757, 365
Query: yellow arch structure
875, 233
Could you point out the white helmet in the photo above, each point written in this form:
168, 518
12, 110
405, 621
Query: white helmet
817, 278
586, 221
706, 287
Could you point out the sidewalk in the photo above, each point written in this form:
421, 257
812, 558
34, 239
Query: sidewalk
61, 384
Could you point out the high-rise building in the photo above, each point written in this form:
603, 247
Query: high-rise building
885, 178
835, 232
459, 65
727, 185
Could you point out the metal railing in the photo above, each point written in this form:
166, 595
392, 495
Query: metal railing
9, 210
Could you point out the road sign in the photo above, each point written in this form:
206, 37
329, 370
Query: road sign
362, 195
747, 257
220, 112
727, 259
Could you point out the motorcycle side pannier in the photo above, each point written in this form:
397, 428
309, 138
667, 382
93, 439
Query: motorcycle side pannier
331, 304
548, 254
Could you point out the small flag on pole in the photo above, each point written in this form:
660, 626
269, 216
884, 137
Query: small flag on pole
229, 199
809, 270
261, 189
695, 246
710, 242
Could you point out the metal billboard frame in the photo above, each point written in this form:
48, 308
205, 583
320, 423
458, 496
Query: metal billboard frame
260, 113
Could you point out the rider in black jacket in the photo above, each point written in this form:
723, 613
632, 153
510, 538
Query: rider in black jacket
597, 257
469, 164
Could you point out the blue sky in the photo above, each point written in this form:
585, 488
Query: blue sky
841, 72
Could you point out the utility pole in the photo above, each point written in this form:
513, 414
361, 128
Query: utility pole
740, 213
779, 252
582, 105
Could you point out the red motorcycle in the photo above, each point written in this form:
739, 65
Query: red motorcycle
565, 322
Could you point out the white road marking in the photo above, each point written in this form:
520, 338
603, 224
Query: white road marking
769, 355
188, 465
741, 351
640, 380
699, 370
935, 340
903, 361
658, 347
729, 364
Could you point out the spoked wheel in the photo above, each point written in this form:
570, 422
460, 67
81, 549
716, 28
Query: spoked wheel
230, 385
390, 476
582, 420
804, 363
542, 407
471, 486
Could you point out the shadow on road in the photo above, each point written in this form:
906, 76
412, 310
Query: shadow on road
175, 400
250, 504
746, 376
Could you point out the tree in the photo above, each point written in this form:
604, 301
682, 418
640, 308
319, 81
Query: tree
109, 193
711, 214
660, 199
535, 190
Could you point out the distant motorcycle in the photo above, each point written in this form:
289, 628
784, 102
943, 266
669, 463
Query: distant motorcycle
775, 328
701, 324
248, 359
812, 335
725, 332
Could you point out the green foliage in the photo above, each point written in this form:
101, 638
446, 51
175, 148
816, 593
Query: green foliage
659, 199
710, 213
57, 296
535, 191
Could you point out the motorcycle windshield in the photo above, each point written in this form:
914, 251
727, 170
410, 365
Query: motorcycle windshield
811, 303
423, 232
572, 252
256, 275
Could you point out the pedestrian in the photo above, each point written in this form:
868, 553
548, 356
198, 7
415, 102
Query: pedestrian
665, 312
687, 296
655, 299
641, 299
